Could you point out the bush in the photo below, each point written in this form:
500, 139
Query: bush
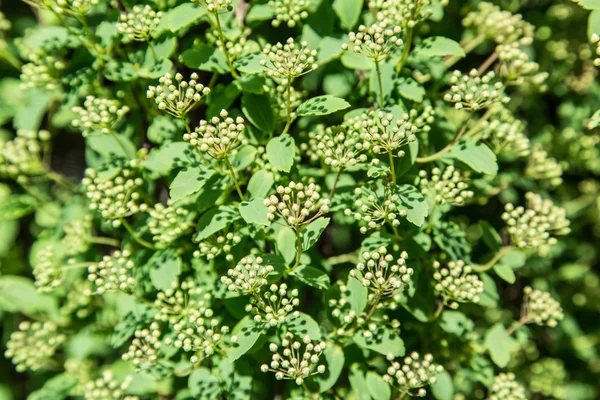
234, 199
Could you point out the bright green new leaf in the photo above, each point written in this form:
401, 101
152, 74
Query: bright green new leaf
378, 388
322, 105
260, 184
410, 89
443, 388
203, 384
358, 295
312, 276
334, 359
476, 155
205, 58
165, 267
499, 344
383, 341
505, 272
214, 220
247, 332
304, 325
413, 203
255, 212
257, 108
281, 151
312, 232
438, 46
348, 11
189, 181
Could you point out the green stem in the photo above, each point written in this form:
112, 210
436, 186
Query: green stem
298, 249
125, 150
373, 307
224, 47
12, 60
138, 239
515, 326
378, 71
232, 172
487, 63
61, 180
448, 147
335, 182
289, 108
406, 50
490, 264
392, 166
438, 311
106, 241
153, 51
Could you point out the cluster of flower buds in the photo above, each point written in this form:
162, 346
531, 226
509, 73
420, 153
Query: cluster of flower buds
412, 374
422, 120
32, 346
144, 347
595, 40
295, 202
445, 186
490, 22
381, 274
236, 41
221, 242
342, 310
517, 69
113, 274
248, 276
99, 115
117, 197
107, 387
219, 137
377, 42
472, 92
168, 223
406, 13
65, 7
200, 334
382, 133
216, 6
506, 387
294, 362
177, 97
289, 12
48, 270
78, 235
542, 167
175, 305
138, 24
582, 149
44, 70
537, 225
285, 62
541, 308
549, 378
274, 305
456, 283
505, 135
22, 156
375, 210
337, 147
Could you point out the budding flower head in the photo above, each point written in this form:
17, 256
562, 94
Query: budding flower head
407, 13
76, 8
595, 41
295, 202
490, 22
504, 134
338, 147
297, 360
445, 186
32, 346
506, 387
215, 6
289, 12
22, 156
48, 269
168, 223
144, 348
381, 274
375, 208
377, 42
536, 226
413, 373
222, 242
286, 62
98, 115
108, 387
248, 276
456, 283
274, 304
542, 167
472, 92
138, 24
177, 96
541, 308
115, 273
516, 68
219, 137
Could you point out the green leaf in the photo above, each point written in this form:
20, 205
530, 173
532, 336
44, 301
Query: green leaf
499, 344
164, 128
247, 332
443, 388
312, 277
16, 206
180, 17
19, 294
173, 155
490, 296
594, 23
358, 295
108, 145
383, 341
594, 121
56, 388
257, 108
244, 157
476, 155
304, 325
260, 184
260, 12
155, 70
438, 46
189, 181
312, 232
348, 12
410, 89
412, 202
589, 4
205, 58
214, 220
322, 105
165, 267
203, 385
250, 64
30, 115
456, 322
491, 237
255, 212
251, 83
221, 98
505, 272
358, 383
378, 388
286, 244
281, 151
334, 358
